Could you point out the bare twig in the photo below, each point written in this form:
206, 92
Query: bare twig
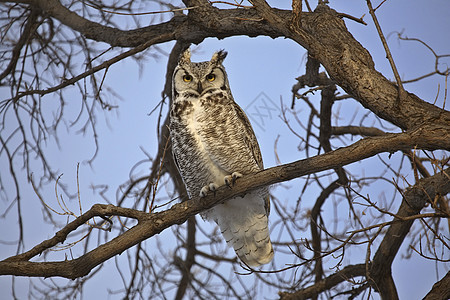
401, 90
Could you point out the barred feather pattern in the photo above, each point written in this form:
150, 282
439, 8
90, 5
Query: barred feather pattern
212, 138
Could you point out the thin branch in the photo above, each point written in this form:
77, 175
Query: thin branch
401, 90
71, 81
186, 265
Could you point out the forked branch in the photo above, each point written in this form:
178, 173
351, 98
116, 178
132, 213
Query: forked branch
151, 224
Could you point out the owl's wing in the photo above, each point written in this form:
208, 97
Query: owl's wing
228, 137
249, 137
229, 141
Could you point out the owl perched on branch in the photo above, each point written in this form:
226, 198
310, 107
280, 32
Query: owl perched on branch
214, 144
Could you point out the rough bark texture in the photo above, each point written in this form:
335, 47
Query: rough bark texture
151, 224
348, 64
440, 290
323, 33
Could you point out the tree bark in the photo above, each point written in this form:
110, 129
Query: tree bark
151, 224
440, 290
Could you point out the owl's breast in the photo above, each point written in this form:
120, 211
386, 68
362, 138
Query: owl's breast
193, 160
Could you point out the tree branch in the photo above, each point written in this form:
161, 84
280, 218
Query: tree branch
380, 273
350, 65
326, 283
186, 265
28, 30
323, 33
209, 22
386, 49
415, 198
440, 290
151, 224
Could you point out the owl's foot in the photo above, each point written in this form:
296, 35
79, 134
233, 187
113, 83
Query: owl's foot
211, 187
231, 179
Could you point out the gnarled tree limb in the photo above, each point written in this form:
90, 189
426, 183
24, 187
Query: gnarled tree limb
151, 224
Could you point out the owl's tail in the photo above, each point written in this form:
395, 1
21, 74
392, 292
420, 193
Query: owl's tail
244, 225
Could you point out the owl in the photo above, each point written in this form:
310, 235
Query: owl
213, 145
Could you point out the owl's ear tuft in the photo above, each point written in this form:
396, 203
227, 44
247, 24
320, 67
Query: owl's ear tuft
185, 57
219, 56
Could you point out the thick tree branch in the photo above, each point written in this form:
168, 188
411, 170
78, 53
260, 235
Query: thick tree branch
151, 224
356, 130
350, 65
209, 21
415, 198
28, 30
323, 33
440, 290
331, 281
328, 42
380, 273
62, 235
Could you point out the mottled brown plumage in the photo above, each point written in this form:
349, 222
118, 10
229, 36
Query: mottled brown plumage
213, 144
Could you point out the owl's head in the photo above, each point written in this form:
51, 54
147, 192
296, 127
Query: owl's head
199, 78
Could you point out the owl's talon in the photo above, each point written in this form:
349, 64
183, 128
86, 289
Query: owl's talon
204, 191
230, 180
235, 176
210, 187
213, 187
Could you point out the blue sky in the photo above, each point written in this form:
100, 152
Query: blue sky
255, 66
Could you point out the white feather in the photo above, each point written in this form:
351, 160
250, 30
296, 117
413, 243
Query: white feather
244, 225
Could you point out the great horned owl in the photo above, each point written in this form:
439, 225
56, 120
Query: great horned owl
214, 144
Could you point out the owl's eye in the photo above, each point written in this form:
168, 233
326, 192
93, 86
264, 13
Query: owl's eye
187, 78
210, 77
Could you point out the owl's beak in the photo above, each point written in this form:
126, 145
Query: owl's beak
199, 87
